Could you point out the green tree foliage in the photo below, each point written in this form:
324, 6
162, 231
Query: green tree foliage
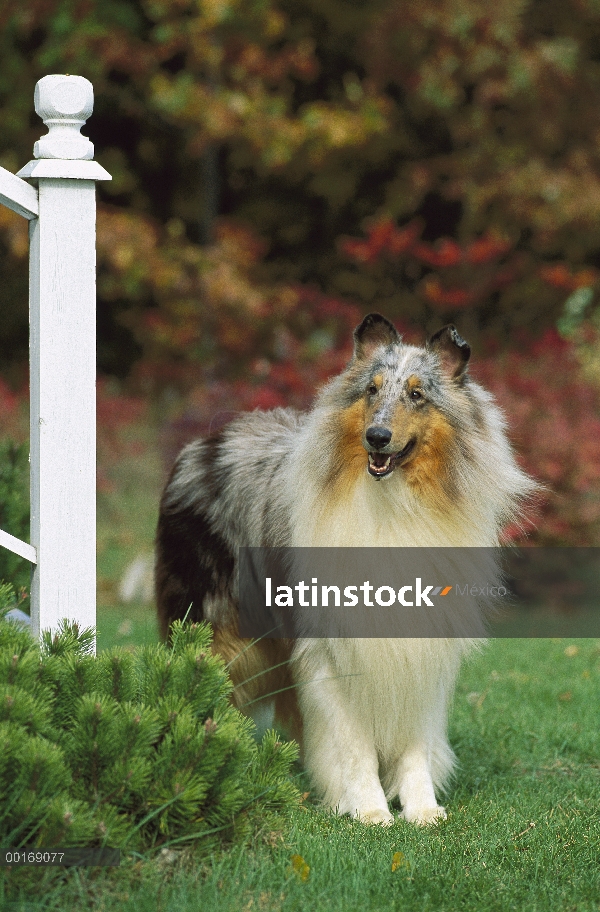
475, 126
129, 749
280, 169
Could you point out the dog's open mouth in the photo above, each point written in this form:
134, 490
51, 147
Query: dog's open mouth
382, 464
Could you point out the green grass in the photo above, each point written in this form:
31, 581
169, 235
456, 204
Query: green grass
127, 516
126, 625
523, 830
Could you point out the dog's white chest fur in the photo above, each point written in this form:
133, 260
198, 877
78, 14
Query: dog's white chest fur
377, 706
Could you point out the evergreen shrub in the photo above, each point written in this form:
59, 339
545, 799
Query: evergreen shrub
130, 748
14, 511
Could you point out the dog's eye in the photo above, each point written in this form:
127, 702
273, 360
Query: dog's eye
371, 389
415, 395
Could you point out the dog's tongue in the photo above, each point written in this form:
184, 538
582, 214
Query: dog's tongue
379, 459
381, 463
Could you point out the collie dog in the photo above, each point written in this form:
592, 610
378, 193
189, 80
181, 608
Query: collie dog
403, 449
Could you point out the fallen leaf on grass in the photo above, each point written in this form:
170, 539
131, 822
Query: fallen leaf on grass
571, 651
300, 868
399, 861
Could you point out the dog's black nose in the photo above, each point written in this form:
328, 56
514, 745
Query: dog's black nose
378, 437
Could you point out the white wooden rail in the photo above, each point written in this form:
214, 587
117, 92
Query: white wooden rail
56, 193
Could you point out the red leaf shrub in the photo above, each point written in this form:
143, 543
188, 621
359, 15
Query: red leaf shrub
446, 275
10, 411
554, 419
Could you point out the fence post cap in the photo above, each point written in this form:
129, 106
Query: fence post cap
64, 103
74, 169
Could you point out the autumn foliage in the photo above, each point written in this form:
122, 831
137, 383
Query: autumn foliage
281, 169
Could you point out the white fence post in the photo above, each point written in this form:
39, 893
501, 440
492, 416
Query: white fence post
62, 301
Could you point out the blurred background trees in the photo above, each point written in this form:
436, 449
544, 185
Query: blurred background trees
281, 169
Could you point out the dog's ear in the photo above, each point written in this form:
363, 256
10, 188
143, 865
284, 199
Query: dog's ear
451, 349
374, 330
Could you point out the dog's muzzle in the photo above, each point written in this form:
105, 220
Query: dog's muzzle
381, 464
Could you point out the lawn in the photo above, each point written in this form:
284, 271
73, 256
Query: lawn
523, 828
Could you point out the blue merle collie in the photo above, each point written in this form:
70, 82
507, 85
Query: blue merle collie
403, 449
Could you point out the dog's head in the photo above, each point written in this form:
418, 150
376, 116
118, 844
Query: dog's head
406, 402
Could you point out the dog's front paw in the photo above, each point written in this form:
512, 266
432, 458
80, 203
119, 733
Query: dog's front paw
424, 816
377, 816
